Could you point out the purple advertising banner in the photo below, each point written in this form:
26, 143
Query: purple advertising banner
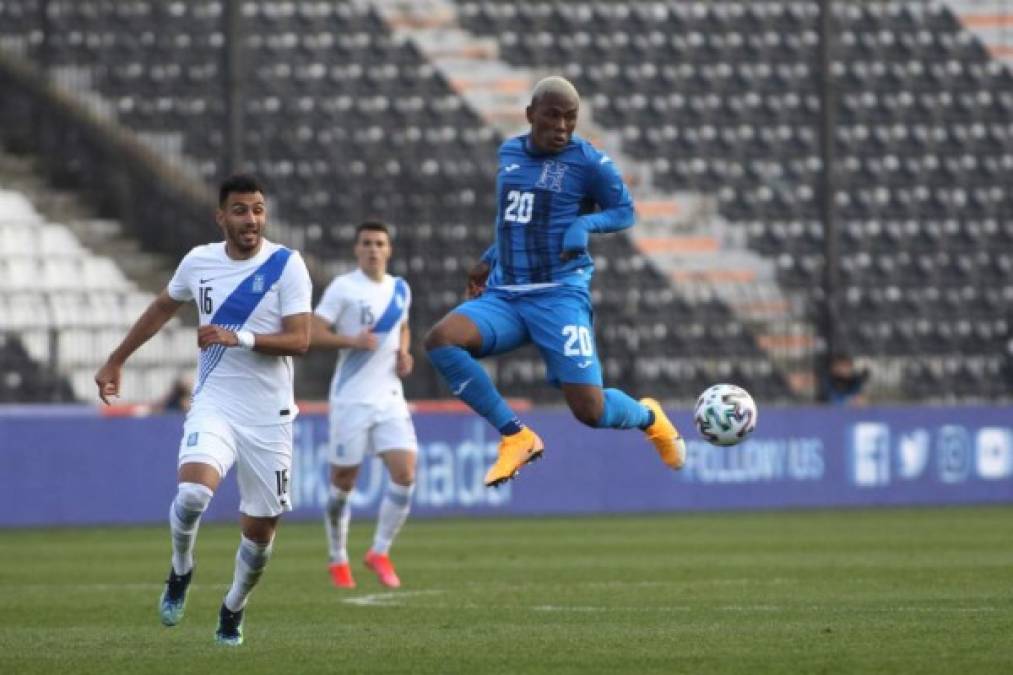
67, 469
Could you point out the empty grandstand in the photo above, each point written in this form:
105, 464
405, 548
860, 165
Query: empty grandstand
394, 110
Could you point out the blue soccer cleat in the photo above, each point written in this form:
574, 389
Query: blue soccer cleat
230, 627
173, 601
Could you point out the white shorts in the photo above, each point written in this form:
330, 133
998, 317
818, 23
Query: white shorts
263, 453
359, 430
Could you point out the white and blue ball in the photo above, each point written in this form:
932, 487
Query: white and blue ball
725, 414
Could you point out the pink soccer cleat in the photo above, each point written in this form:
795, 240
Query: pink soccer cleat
341, 575
380, 563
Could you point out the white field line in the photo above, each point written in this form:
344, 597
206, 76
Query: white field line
388, 599
394, 599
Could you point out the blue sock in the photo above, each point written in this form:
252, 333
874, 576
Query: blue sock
622, 412
469, 382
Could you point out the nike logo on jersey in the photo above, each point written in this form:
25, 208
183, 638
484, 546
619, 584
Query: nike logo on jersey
511, 167
604, 158
204, 281
585, 363
457, 391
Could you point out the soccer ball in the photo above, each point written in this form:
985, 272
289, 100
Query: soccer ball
725, 414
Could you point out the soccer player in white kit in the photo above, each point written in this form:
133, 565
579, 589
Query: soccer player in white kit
254, 302
364, 314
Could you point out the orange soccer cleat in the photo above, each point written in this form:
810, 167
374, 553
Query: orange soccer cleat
380, 563
665, 437
515, 451
341, 575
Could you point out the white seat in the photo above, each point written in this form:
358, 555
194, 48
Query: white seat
75, 347
19, 273
15, 206
56, 239
25, 311
16, 239
102, 272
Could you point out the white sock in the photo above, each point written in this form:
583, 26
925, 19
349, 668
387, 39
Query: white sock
397, 502
184, 519
251, 559
337, 516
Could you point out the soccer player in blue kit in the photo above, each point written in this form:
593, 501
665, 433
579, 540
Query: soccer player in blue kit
549, 181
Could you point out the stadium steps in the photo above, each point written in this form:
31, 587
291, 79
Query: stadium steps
991, 21
705, 257
103, 236
72, 322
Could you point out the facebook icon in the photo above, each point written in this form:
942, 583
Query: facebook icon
870, 454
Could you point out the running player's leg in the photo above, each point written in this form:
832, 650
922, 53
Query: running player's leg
264, 461
349, 441
561, 324
394, 439
255, 547
337, 521
207, 451
481, 327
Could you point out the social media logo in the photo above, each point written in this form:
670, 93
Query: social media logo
994, 453
913, 451
953, 453
870, 454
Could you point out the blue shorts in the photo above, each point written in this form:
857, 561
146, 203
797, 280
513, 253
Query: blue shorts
558, 320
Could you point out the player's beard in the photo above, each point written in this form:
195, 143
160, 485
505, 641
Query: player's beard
246, 241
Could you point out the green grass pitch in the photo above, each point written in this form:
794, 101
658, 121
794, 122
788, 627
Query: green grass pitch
859, 591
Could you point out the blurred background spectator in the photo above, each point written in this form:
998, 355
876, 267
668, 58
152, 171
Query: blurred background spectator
179, 396
843, 382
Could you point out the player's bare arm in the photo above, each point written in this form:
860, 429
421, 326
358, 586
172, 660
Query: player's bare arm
405, 361
322, 336
161, 309
293, 340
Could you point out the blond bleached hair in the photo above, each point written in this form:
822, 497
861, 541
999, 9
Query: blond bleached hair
554, 84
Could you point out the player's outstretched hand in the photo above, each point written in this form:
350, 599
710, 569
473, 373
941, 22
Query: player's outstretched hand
108, 380
215, 335
366, 340
404, 365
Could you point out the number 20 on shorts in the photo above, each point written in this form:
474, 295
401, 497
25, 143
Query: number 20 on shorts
578, 341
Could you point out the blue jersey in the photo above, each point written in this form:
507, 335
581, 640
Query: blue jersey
539, 197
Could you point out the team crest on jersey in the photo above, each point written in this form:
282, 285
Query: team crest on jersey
258, 283
552, 176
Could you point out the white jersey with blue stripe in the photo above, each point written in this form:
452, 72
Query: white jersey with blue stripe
245, 386
352, 303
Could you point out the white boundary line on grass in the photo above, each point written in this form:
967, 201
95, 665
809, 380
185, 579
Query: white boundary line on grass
394, 599
388, 599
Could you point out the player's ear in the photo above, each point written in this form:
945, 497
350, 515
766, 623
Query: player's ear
529, 112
